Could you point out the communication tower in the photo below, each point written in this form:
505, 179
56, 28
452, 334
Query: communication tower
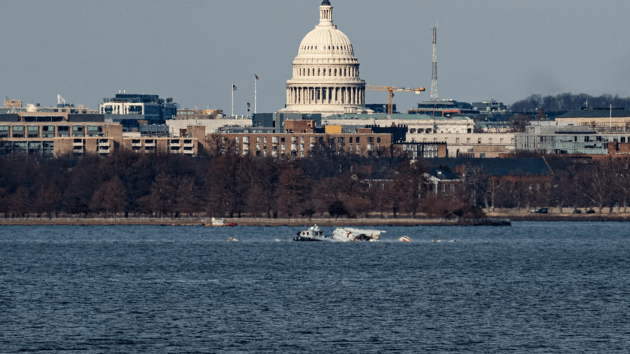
434, 76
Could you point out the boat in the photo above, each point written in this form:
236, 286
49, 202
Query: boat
219, 223
232, 239
347, 234
405, 239
313, 233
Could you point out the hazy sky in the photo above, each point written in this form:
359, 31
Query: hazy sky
194, 50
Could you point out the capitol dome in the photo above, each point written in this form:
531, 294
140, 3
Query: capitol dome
326, 40
325, 72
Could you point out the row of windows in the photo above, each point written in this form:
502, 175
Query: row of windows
429, 131
275, 139
48, 131
330, 72
333, 47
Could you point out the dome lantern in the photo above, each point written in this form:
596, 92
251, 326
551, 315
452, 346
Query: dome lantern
325, 14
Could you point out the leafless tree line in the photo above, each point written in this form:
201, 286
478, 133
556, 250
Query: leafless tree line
230, 185
602, 185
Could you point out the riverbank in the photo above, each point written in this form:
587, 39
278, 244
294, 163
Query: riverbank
494, 219
250, 222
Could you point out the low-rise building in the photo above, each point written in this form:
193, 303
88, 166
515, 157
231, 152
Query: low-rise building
199, 114
562, 138
423, 150
293, 145
212, 126
482, 145
444, 108
53, 139
598, 118
417, 123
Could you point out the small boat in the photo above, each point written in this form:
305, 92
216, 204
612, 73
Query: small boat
313, 233
219, 223
405, 239
356, 235
232, 239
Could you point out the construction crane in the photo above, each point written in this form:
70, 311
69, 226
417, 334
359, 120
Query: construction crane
390, 93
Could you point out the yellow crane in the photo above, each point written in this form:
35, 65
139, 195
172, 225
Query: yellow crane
390, 93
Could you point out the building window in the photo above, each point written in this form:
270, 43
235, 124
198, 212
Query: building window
456, 140
18, 131
33, 131
479, 141
77, 130
467, 140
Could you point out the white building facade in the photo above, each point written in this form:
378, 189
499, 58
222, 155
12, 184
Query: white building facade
325, 72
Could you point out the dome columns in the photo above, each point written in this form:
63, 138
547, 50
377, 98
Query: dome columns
326, 95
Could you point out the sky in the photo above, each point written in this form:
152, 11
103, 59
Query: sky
195, 50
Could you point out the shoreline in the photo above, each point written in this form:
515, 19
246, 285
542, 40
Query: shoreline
494, 219
248, 222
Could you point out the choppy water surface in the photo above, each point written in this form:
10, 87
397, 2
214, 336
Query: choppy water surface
531, 288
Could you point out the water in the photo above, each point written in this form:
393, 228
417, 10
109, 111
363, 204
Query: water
531, 288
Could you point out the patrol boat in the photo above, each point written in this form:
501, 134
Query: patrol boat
314, 233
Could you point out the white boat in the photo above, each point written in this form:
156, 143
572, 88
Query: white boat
346, 234
313, 233
219, 223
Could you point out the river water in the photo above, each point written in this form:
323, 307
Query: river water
555, 287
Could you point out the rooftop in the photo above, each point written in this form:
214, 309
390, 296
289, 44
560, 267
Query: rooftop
498, 167
597, 113
392, 116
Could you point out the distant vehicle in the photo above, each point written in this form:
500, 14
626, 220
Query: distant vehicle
542, 211
577, 211
591, 211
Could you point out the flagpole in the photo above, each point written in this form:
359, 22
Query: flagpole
255, 94
232, 100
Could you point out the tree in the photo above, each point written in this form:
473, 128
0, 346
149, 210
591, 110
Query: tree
48, 200
110, 197
222, 185
293, 190
162, 199
541, 114
337, 209
519, 122
188, 198
79, 207
20, 202
4, 207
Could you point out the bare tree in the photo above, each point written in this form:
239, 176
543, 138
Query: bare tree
48, 200
293, 190
163, 197
20, 202
110, 197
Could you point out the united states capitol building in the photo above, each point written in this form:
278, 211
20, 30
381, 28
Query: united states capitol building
325, 72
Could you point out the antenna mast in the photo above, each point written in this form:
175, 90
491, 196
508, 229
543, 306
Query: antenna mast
434, 76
